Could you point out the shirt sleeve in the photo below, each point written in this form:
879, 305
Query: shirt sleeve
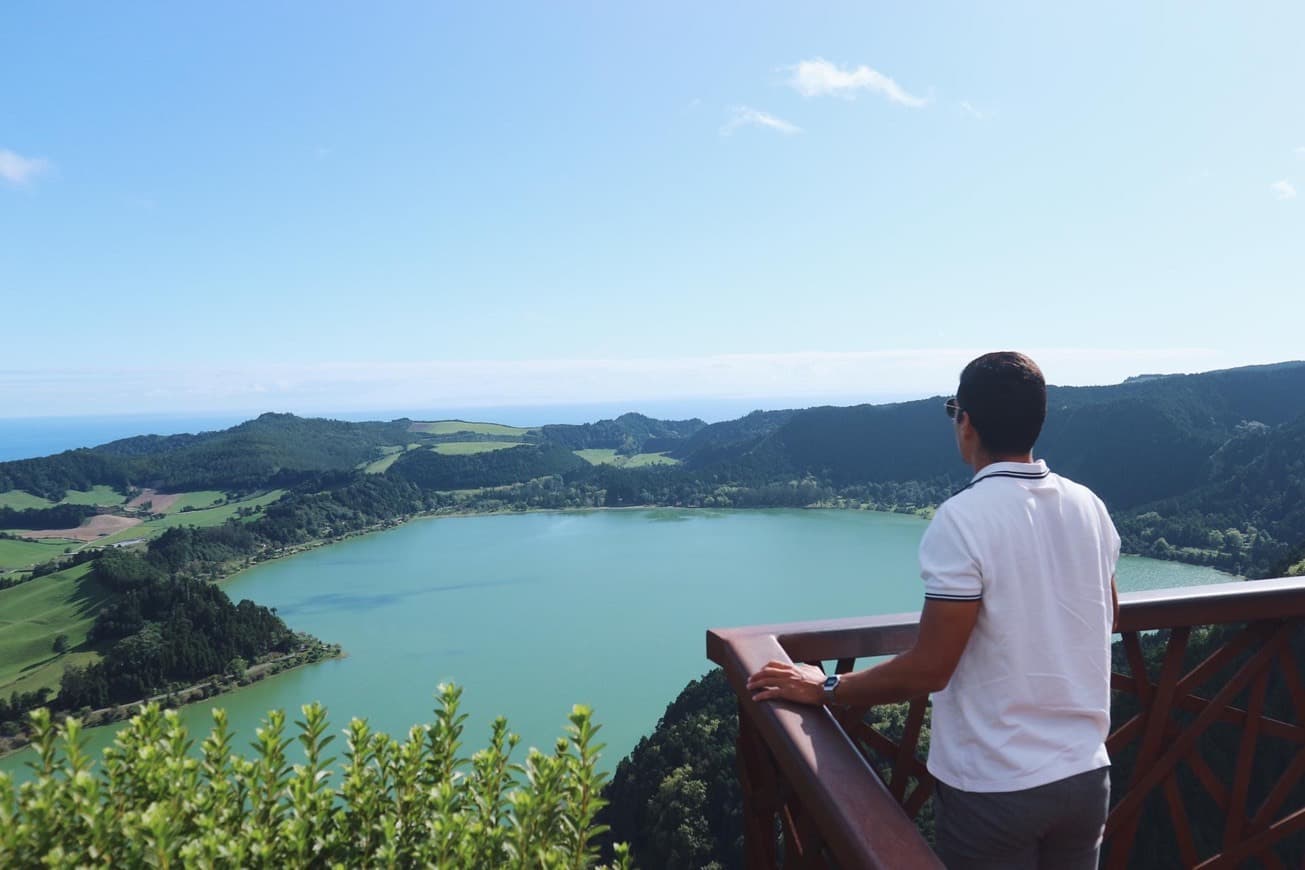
947, 565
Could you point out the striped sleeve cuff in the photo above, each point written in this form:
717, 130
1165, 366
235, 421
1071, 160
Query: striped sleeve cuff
947, 596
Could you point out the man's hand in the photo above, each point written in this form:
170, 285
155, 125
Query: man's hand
801, 683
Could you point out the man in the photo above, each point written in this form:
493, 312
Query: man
1014, 642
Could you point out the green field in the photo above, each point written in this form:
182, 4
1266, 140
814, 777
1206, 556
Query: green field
211, 517
462, 448
606, 456
453, 427
379, 466
599, 456
201, 499
32, 614
98, 495
641, 459
21, 501
22, 554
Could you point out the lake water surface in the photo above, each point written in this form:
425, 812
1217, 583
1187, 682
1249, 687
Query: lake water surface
531, 613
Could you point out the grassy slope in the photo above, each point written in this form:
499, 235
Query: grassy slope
23, 554
598, 456
99, 495
32, 614
650, 459
21, 501
198, 499
379, 466
211, 517
461, 448
452, 427
606, 456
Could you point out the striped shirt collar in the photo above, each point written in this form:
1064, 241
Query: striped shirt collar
1036, 470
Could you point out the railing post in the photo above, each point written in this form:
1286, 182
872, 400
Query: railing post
760, 795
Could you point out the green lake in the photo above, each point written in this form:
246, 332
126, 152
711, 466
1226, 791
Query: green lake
531, 613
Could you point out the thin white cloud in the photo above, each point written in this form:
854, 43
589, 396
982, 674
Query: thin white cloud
17, 169
818, 77
759, 377
743, 116
1283, 189
973, 112
1300, 150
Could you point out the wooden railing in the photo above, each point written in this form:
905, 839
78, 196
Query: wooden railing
826, 789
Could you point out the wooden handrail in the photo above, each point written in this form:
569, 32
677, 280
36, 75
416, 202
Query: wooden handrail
831, 777
842, 810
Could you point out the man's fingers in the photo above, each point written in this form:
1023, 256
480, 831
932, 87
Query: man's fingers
774, 670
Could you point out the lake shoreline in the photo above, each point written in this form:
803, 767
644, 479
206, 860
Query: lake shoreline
189, 696
203, 690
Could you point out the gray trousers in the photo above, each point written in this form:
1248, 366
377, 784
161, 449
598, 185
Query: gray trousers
1057, 825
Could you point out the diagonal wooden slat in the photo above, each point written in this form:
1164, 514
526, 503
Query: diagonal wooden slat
1269, 726
1182, 825
1179, 748
922, 792
1213, 785
1291, 675
1224, 655
1271, 861
1236, 819
1137, 664
1257, 844
906, 750
1157, 719
1290, 778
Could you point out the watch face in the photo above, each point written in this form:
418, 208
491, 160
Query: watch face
831, 681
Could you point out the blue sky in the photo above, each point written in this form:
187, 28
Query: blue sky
328, 207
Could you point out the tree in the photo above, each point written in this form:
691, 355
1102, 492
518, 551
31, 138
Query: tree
61, 644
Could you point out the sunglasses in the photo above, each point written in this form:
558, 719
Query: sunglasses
953, 410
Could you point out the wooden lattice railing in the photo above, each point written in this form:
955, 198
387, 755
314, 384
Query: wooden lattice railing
1205, 678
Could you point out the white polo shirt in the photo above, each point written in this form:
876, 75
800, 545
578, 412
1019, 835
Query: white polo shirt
1029, 702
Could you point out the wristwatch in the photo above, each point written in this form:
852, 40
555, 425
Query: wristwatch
830, 686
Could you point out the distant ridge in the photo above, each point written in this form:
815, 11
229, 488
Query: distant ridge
1213, 448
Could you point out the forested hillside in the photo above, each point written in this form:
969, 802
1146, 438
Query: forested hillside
1200, 467
628, 434
271, 451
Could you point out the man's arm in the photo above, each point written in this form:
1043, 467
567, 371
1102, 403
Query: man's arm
1114, 603
945, 628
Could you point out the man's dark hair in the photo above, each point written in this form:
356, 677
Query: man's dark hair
1005, 396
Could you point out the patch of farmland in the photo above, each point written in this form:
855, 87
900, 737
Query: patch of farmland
95, 528
24, 554
453, 427
462, 448
105, 496
608, 456
215, 516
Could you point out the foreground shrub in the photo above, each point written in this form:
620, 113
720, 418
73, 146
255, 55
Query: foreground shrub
416, 802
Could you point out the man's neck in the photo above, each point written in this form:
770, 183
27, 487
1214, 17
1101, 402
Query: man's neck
983, 459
